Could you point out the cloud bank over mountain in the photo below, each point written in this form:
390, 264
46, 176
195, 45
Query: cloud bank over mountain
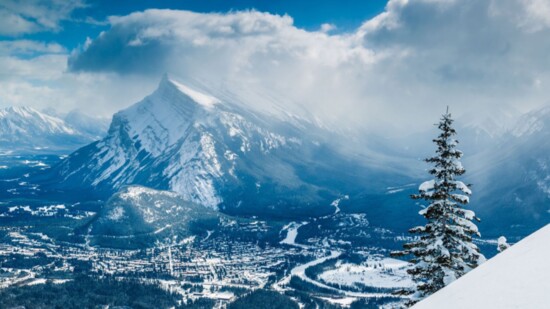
403, 65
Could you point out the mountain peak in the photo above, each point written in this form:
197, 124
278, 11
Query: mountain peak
532, 122
197, 96
19, 110
163, 118
181, 138
24, 118
25, 128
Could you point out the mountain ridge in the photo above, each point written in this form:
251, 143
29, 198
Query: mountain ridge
25, 129
213, 152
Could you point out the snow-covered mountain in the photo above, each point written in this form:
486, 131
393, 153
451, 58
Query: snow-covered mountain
515, 278
532, 123
512, 178
137, 215
213, 152
26, 129
210, 149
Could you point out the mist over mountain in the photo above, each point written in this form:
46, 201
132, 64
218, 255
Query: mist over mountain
214, 152
204, 144
93, 127
506, 162
512, 177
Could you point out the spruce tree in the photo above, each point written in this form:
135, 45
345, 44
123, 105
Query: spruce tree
443, 249
502, 244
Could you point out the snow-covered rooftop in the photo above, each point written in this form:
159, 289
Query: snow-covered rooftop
516, 278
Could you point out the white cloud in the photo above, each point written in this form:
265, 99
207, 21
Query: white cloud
460, 47
35, 74
29, 47
406, 63
538, 12
397, 71
43, 68
326, 28
29, 16
99, 95
27, 61
14, 24
247, 50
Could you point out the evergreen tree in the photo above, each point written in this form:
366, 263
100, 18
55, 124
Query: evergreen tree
443, 249
502, 244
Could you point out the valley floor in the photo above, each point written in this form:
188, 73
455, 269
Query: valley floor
216, 268
334, 260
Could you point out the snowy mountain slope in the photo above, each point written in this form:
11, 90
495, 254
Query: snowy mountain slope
24, 128
488, 125
138, 214
532, 123
512, 179
214, 153
515, 278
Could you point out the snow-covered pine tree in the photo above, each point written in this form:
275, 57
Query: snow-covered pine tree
443, 249
502, 244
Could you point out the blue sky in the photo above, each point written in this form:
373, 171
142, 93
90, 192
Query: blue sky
308, 14
386, 65
346, 15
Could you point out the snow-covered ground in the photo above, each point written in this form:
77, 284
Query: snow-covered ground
291, 234
300, 272
387, 271
519, 277
381, 273
336, 203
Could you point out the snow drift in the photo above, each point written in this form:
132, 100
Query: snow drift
515, 278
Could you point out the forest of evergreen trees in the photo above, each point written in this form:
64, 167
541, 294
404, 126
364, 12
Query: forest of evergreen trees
90, 292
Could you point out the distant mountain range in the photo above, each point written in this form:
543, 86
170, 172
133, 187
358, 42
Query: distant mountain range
208, 148
512, 178
24, 129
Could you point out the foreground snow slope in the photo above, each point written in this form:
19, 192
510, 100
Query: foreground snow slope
517, 278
